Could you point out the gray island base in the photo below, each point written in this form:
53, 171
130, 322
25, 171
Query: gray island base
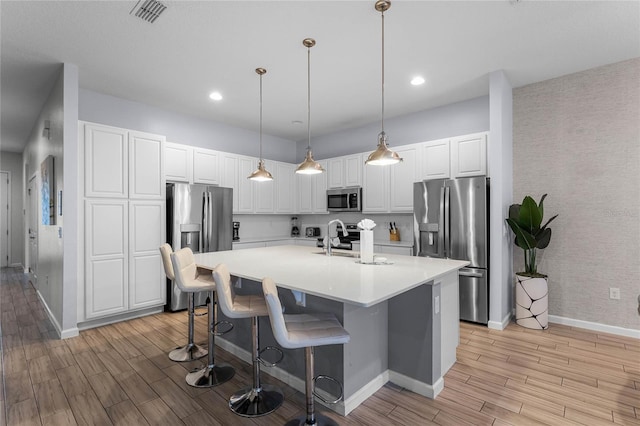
402, 318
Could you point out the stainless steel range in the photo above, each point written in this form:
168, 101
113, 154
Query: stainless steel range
353, 234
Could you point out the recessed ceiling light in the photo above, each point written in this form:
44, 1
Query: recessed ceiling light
216, 96
417, 81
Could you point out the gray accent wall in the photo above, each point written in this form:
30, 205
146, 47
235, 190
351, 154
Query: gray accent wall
577, 138
460, 118
105, 109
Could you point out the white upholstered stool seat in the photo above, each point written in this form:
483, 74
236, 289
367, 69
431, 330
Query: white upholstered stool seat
189, 279
304, 331
259, 399
191, 351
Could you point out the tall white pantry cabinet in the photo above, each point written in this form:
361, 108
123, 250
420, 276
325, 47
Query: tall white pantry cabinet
124, 211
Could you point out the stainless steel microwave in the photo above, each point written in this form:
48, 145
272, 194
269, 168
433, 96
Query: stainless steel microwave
344, 200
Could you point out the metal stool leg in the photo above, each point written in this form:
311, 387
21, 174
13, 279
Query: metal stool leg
260, 399
211, 374
311, 418
191, 351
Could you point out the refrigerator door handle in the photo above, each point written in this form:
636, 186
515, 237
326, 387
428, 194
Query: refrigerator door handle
441, 226
447, 233
464, 273
205, 221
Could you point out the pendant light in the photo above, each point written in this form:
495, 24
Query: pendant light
309, 166
382, 156
261, 174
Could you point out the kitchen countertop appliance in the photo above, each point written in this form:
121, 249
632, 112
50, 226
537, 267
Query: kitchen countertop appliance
353, 235
451, 221
295, 227
199, 217
312, 231
344, 199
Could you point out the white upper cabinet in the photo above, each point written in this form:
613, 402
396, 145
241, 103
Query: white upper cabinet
435, 160
401, 178
345, 171
320, 190
229, 175
246, 166
206, 166
375, 189
312, 191
285, 187
469, 155
106, 161
265, 191
178, 162
146, 166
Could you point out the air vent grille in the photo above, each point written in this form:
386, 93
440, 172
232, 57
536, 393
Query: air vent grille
148, 10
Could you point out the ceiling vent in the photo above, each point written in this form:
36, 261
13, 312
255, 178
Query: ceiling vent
148, 10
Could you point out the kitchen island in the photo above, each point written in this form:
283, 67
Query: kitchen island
402, 316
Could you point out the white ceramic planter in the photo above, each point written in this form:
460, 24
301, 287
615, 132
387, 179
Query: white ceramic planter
532, 303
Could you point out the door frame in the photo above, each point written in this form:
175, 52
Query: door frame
8, 211
32, 208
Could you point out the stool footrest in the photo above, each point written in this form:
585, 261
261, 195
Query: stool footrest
320, 397
271, 364
220, 333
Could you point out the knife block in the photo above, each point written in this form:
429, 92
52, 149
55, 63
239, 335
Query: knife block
394, 235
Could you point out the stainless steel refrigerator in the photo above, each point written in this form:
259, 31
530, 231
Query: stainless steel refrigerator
451, 221
199, 217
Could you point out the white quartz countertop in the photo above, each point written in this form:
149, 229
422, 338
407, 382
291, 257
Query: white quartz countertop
340, 278
389, 243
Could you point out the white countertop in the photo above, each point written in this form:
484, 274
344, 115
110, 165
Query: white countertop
267, 239
337, 277
390, 243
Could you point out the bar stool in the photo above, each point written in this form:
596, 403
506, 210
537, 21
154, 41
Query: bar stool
305, 331
260, 399
191, 351
190, 280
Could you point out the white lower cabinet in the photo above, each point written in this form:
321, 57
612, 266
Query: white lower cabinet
146, 273
107, 257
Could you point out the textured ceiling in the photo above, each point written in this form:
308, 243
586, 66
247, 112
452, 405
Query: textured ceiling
197, 47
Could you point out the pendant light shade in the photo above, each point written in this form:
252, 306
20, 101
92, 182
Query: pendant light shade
382, 156
260, 174
309, 166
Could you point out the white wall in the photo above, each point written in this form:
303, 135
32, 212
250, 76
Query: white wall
179, 128
461, 118
577, 138
12, 162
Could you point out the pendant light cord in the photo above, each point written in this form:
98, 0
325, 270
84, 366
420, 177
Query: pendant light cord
260, 117
308, 98
382, 121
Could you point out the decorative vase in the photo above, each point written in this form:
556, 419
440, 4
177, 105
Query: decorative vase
532, 303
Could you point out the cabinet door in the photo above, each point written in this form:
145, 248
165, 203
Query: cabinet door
402, 176
147, 283
320, 190
246, 166
146, 166
105, 161
353, 170
469, 155
106, 257
305, 184
206, 166
375, 189
435, 160
229, 176
265, 191
285, 187
336, 172
178, 162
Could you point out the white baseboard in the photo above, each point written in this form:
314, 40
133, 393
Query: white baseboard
424, 389
343, 407
594, 326
63, 334
99, 322
495, 325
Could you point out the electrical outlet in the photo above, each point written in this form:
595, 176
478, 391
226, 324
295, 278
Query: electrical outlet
614, 293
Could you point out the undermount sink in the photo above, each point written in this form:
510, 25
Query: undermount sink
338, 253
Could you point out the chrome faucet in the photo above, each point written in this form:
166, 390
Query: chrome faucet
344, 232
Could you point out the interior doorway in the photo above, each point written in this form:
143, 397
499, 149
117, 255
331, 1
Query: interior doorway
32, 202
5, 212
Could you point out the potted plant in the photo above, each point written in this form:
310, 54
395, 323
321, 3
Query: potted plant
531, 286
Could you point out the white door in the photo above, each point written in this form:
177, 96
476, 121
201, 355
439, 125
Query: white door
32, 261
5, 211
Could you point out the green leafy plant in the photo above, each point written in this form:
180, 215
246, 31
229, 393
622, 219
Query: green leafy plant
525, 220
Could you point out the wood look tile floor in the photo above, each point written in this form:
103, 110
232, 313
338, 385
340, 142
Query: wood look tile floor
120, 375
